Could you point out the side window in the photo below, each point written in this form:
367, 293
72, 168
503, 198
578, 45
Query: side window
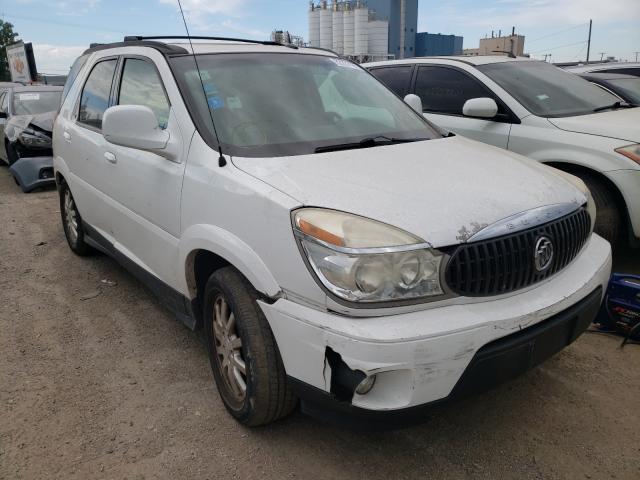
141, 85
397, 79
445, 90
95, 94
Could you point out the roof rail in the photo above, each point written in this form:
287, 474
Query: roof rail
134, 38
163, 48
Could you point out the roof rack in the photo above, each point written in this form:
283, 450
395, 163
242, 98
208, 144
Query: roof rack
163, 48
134, 38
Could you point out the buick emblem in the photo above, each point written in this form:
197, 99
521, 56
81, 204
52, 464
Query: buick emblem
543, 254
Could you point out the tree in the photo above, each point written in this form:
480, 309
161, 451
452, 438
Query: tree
7, 37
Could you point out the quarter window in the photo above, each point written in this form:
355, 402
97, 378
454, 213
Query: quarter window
95, 94
445, 90
141, 85
397, 79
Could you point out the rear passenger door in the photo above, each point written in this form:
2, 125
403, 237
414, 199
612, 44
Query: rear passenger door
444, 90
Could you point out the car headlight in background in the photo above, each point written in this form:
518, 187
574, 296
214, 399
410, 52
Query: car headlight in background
363, 260
31, 138
580, 185
630, 151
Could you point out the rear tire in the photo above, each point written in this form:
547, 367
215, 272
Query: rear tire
608, 213
72, 222
243, 353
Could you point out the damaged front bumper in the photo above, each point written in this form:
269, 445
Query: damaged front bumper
33, 172
441, 353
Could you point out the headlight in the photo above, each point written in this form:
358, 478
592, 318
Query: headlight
580, 185
31, 138
362, 260
630, 151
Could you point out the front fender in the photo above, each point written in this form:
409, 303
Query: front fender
231, 248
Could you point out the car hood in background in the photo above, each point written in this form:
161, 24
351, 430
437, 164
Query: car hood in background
442, 190
623, 124
42, 121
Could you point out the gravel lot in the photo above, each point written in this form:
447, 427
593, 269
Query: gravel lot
98, 381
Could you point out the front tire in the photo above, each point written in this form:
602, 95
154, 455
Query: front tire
243, 353
72, 222
608, 214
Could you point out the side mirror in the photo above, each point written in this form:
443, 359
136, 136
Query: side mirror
480, 107
134, 126
414, 102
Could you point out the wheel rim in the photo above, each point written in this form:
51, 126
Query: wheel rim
71, 217
229, 349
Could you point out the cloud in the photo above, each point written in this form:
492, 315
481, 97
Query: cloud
55, 58
195, 9
534, 13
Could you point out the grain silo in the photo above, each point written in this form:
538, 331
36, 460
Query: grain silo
378, 38
338, 28
361, 29
326, 26
348, 29
314, 25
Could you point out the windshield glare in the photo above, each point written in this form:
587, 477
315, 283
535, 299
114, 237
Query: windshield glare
628, 87
547, 91
266, 105
34, 103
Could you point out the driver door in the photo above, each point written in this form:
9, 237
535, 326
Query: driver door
444, 90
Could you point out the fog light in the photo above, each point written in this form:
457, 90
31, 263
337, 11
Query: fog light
366, 385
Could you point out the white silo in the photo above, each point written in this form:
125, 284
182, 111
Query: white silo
348, 30
378, 38
338, 29
314, 25
361, 29
326, 26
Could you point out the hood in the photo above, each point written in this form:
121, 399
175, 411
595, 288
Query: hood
623, 124
42, 121
441, 190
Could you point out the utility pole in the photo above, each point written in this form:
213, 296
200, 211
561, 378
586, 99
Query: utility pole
602, 55
636, 55
589, 40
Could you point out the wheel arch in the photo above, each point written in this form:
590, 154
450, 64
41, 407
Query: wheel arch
576, 169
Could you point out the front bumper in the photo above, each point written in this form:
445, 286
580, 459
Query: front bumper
628, 182
33, 172
420, 357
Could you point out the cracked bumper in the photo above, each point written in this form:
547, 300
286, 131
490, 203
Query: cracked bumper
420, 357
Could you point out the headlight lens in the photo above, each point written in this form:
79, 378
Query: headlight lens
31, 138
362, 260
630, 151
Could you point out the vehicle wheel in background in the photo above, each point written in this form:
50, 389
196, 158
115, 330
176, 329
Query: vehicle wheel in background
243, 353
72, 222
608, 212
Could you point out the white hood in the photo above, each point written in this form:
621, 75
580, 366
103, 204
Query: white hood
623, 124
440, 190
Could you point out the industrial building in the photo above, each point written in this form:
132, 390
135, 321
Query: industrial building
436, 44
365, 31
511, 44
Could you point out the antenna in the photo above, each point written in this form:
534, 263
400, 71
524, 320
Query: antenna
221, 160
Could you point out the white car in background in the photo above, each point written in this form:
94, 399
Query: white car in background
625, 68
538, 110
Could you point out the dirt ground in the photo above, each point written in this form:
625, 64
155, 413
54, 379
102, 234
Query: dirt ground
98, 381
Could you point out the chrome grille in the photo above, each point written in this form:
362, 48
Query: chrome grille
506, 264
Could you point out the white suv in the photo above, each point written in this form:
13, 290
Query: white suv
538, 110
334, 245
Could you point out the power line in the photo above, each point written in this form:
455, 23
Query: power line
558, 32
561, 46
63, 24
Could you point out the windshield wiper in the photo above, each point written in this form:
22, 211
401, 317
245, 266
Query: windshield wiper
367, 143
613, 106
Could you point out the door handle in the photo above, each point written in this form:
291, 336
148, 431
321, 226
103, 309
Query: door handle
110, 157
67, 136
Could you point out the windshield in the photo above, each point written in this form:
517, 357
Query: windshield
33, 103
275, 104
547, 91
628, 88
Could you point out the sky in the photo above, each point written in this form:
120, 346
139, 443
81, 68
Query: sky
61, 29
